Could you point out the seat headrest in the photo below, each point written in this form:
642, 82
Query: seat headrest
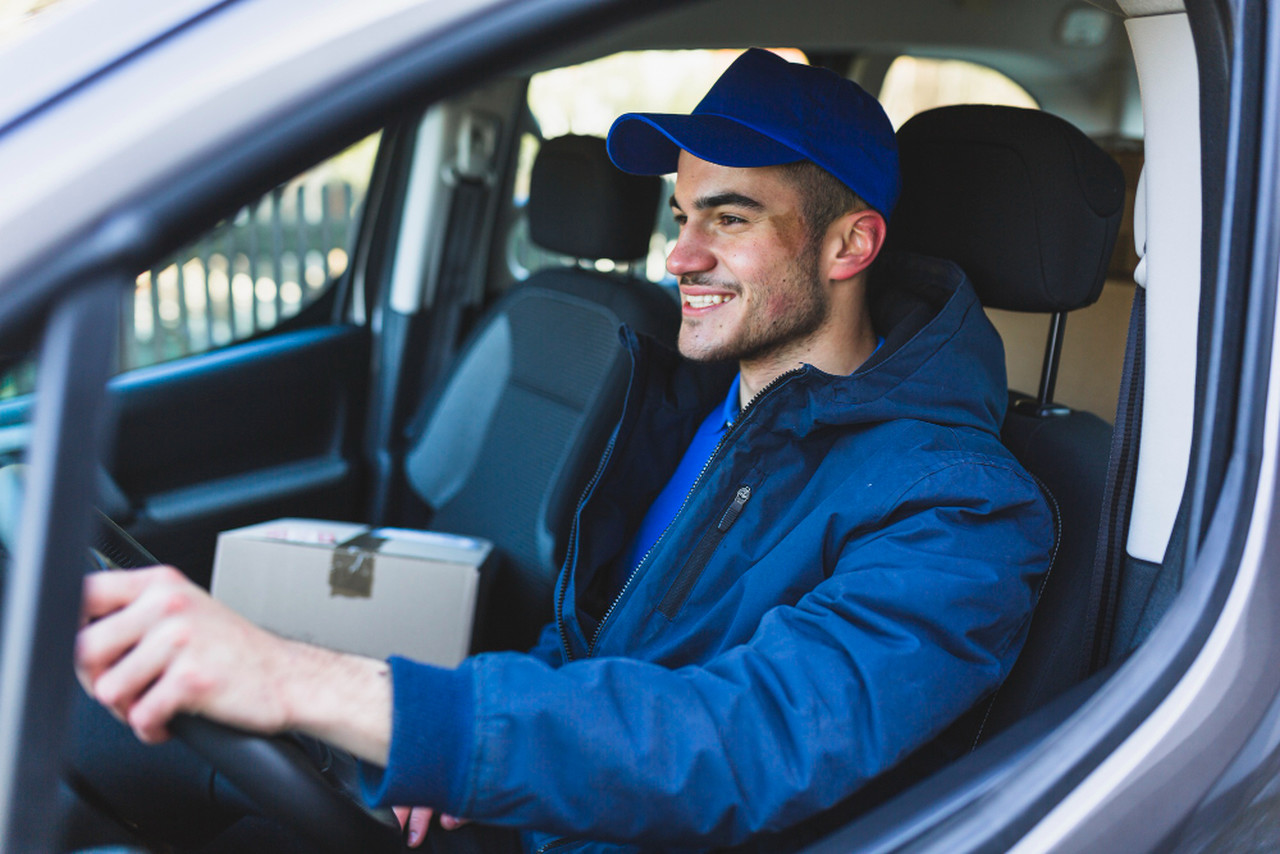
1024, 202
580, 204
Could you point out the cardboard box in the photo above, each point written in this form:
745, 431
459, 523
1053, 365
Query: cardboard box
346, 587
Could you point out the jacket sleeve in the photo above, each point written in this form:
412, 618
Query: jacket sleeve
918, 621
548, 646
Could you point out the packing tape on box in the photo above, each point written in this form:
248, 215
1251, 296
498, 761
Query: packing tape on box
351, 573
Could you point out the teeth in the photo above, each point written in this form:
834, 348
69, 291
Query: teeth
704, 300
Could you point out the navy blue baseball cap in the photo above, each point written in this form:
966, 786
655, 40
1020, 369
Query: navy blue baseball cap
764, 111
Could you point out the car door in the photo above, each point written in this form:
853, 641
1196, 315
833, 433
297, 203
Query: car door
269, 423
241, 394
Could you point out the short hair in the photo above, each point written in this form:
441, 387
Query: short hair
824, 198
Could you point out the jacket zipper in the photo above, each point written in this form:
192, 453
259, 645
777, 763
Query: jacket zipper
715, 454
692, 571
571, 553
555, 843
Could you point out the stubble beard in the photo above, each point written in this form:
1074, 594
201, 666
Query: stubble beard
760, 339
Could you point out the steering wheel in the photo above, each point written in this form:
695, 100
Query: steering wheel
275, 773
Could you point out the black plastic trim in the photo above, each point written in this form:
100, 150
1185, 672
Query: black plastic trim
387, 365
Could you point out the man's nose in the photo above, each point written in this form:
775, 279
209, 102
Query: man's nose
689, 255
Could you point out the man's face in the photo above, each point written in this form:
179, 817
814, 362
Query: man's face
749, 279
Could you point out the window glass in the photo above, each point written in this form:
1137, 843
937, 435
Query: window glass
914, 84
254, 270
18, 379
246, 275
585, 99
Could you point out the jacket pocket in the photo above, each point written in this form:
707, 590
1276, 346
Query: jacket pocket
692, 570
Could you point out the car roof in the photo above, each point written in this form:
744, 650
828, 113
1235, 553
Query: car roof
133, 124
1022, 39
68, 45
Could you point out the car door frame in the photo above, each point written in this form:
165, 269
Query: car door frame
1039, 778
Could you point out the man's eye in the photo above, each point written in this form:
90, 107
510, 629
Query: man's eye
730, 219
680, 219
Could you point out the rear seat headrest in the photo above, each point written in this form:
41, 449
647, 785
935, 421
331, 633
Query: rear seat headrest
580, 204
1024, 202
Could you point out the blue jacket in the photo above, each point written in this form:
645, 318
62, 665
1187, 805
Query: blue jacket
854, 568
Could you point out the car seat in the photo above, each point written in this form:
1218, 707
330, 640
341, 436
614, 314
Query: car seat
1029, 207
503, 447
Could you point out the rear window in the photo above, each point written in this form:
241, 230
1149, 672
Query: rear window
585, 99
914, 84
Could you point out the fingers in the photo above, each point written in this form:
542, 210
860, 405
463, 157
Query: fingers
419, 818
154, 645
122, 655
158, 645
133, 688
414, 822
101, 644
178, 688
107, 592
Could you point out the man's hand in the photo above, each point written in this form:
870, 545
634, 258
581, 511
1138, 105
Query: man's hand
416, 819
152, 644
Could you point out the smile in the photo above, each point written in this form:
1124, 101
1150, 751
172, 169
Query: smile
705, 300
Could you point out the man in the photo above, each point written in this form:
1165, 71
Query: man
773, 592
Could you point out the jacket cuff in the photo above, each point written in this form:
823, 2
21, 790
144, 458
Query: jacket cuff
432, 730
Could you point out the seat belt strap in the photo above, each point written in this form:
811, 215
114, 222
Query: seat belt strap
458, 271
460, 276
458, 281
1117, 498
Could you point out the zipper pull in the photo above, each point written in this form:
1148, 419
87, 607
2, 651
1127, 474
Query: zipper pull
731, 512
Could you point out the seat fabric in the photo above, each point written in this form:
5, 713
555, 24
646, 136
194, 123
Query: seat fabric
1030, 208
514, 430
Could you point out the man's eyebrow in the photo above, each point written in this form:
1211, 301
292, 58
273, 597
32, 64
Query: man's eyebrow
719, 199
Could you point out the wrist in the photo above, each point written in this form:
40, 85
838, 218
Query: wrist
342, 699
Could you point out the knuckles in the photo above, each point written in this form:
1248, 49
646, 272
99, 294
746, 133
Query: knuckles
176, 602
174, 634
193, 684
147, 656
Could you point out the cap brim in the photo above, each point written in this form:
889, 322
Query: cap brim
650, 143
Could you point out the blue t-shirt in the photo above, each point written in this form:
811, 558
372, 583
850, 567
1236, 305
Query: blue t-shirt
665, 507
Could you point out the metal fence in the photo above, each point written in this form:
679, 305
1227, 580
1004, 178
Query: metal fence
257, 268
252, 271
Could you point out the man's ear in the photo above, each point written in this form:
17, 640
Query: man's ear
855, 240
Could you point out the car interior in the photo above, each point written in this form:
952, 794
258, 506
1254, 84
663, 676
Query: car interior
420, 330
